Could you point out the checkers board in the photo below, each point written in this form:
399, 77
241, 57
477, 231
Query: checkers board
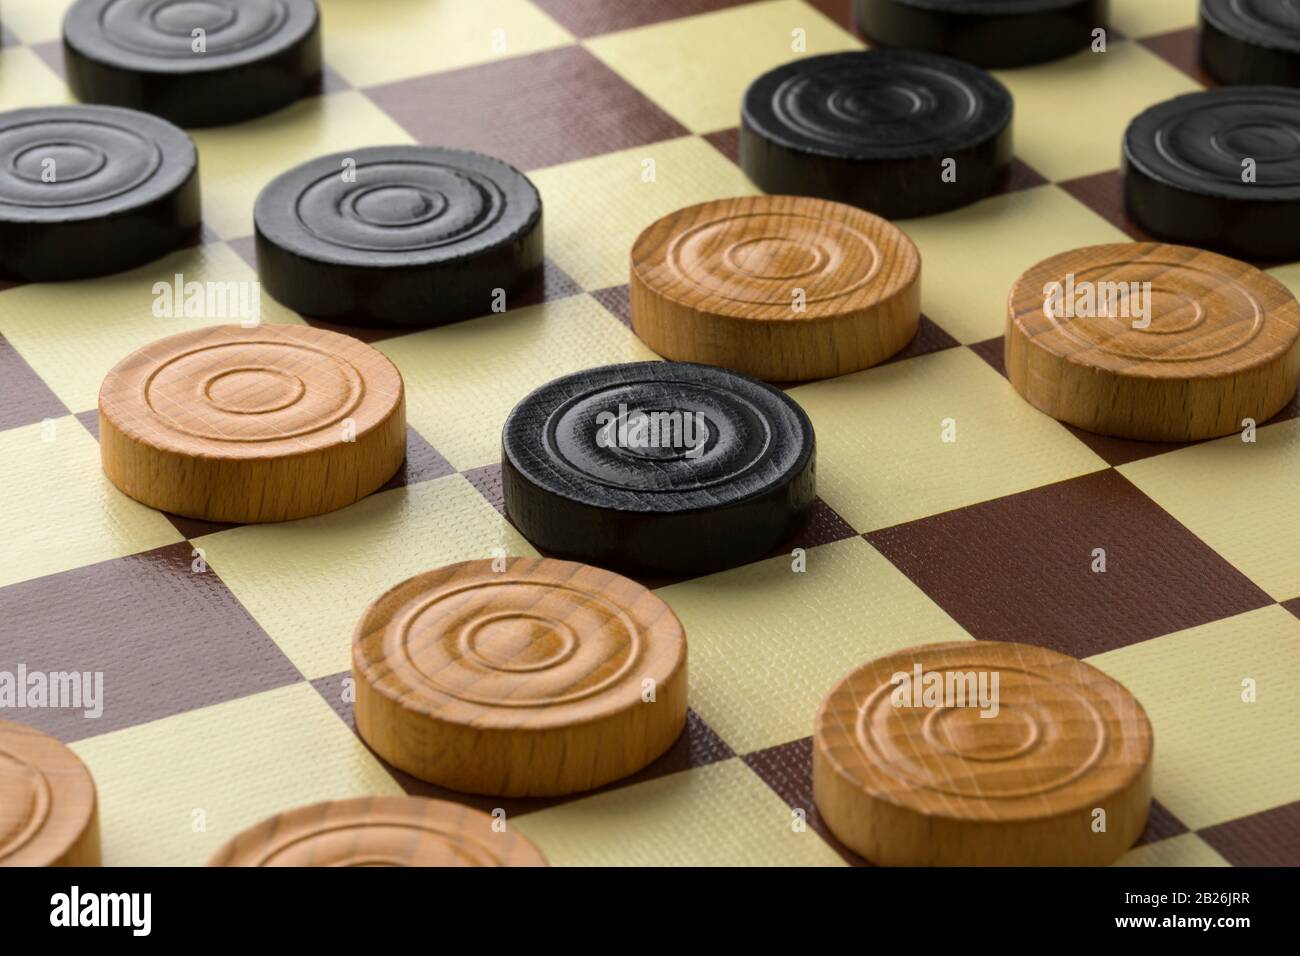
225, 649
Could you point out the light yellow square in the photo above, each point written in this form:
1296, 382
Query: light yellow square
307, 582
1144, 18
595, 208
379, 41
59, 512
767, 643
1218, 757
1288, 275
72, 333
697, 68
1071, 114
224, 767
462, 380
237, 161
34, 21
1187, 849
719, 815
1238, 497
25, 80
971, 257
881, 455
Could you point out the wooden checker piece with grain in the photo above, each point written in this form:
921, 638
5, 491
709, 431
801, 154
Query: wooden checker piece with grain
895, 132
49, 812
237, 424
784, 288
1058, 775
90, 190
523, 677
661, 468
200, 63
989, 33
1219, 169
1216, 342
379, 831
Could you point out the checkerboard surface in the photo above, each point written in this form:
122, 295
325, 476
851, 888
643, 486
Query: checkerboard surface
225, 650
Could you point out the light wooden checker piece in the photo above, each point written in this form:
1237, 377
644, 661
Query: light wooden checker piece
909, 780
49, 812
379, 831
536, 678
782, 288
238, 424
1207, 344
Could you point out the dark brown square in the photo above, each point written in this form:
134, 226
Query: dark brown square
586, 18
787, 769
487, 479
1161, 825
726, 142
1020, 568
822, 526
993, 352
1180, 49
1103, 193
531, 111
841, 11
1017, 176
1293, 606
167, 638
929, 338
1271, 838
617, 300
423, 463
90, 421
24, 398
51, 51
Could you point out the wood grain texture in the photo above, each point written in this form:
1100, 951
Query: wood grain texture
912, 781
262, 424
49, 812
379, 831
1223, 344
783, 288
526, 681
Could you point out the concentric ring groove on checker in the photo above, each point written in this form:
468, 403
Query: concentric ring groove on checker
48, 802
524, 677
877, 104
88, 190
379, 831
149, 35
258, 424
1011, 773
398, 235
1178, 344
